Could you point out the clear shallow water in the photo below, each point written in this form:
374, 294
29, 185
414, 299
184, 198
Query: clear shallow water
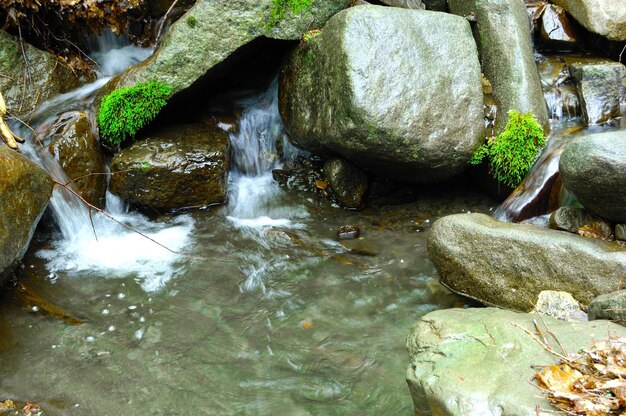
293, 326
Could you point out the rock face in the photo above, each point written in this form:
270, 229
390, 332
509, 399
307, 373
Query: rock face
47, 76
610, 306
348, 182
593, 168
503, 36
80, 155
601, 88
376, 87
211, 31
179, 167
468, 362
24, 193
508, 265
603, 17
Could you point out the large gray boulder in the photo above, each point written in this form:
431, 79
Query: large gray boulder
179, 167
603, 17
25, 87
508, 265
469, 362
397, 92
504, 41
593, 168
611, 306
24, 193
601, 88
211, 31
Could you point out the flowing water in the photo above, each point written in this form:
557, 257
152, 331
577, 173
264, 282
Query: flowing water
266, 313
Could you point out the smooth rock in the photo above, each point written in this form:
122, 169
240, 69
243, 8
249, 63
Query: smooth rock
470, 362
572, 219
559, 305
80, 155
348, 183
620, 232
24, 193
24, 90
182, 166
556, 32
611, 306
603, 17
211, 31
376, 87
601, 88
593, 168
508, 265
349, 232
505, 46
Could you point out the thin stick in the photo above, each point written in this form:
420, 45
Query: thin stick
621, 53
167, 13
546, 347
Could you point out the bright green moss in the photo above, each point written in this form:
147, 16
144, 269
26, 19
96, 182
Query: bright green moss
282, 7
125, 111
512, 152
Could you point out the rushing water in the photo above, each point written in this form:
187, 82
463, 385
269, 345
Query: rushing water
266, 313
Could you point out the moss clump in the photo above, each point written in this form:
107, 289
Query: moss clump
512, 152
282, 7
125, 111
192, 21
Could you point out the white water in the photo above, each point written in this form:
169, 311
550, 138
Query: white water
114, 54
93, 242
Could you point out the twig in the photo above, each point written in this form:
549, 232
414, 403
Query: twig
29, 127
553, 336
621, 53
165, 16
546, 347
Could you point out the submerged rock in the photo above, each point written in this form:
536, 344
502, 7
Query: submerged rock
182, 166
508, 265
347, 182
603, 17
601, 88
80, 155
593, 168
610, 306
469, 362
212, 31
572, 219
506, 54
30, 77
24, 193
397, 92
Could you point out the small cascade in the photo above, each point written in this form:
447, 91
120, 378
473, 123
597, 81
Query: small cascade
92, 242
114, 54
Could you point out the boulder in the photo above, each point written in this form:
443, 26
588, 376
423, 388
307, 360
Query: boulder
397, 92
556, 32
347, 182
79, 153
469, 362
603, 17
179, 167
211, 31
593, 168
508, 265
572, 219
601, 88
24, 193
506, 54
611, 306
25, 88
559, 305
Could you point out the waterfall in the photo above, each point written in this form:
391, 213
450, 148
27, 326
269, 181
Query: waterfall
90, 242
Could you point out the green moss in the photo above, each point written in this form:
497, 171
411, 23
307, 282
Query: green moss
125, 111
512, 152
192, 21
282, 7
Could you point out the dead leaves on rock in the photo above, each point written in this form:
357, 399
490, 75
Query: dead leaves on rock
591, 383
9, 407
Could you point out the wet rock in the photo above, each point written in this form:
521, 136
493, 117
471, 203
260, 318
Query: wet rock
436, 5
80, 155
556, 31
375, 87
508, 265
211, 31
347, 182
601, 90
24, 90
593, 168
24, 193
620, 232
349, 232
180, 167
462, 361
559, 305
611, 306
506, 54
572, 219
405, 4
605, 18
